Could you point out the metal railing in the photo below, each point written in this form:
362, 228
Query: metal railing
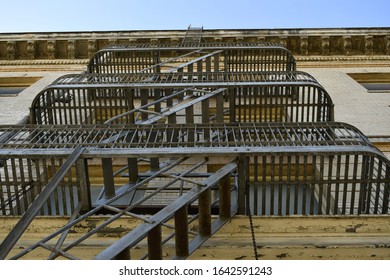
322, 155
180, 133
275, 168
255, 97
226, 57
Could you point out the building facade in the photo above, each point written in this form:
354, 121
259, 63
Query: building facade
351, 65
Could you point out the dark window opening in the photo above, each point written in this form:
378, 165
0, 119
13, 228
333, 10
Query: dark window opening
10, 91
373, 82
12, 86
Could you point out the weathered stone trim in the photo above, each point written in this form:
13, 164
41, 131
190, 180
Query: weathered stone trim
311, 42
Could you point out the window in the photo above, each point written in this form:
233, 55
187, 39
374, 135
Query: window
373, 82
12, 86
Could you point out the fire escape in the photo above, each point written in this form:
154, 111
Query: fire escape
182, 138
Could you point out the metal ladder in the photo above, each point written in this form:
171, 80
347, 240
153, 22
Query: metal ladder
193, 36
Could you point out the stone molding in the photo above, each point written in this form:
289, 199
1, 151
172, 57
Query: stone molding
302, 42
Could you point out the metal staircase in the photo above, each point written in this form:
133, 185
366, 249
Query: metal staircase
182, 151
193, 36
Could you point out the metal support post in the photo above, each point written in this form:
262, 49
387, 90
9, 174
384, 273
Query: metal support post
155, 243
181, 230
124, 255
205, 213
109, 185
224, 197
133, 170
242, 184
83, 180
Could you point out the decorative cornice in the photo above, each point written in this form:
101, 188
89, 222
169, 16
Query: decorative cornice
342, 58
44, 62
350, 44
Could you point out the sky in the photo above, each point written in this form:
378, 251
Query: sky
115, 15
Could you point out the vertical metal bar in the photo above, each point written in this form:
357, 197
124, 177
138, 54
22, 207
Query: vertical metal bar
242, 184
255, 96
272, 181
363, 185
124, 255
190, 115
16, 188
190, 68
288, 186
190, 120
308, 190
337, 188
281, 203
220, 107
109, 185
224, 197
354, 178
133, 170
130, 104
74, 191
386, 192
369, 189
255, 185
8, 195
24, 185
45, 176
378, 187
345, 189
232, 103
264, 185
181, 232
199, 69
157, 96
144, 100
205, 213
296, 185
84, 185
216, 62
208, 64
31, 193
155, 243
205, 111
329, 187
320, 185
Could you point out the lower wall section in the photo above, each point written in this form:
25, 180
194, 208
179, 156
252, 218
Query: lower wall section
301, 238
291, 238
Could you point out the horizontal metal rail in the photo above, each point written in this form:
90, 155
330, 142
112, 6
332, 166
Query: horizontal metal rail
330, 178
203, 45
249, 135
191, 78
